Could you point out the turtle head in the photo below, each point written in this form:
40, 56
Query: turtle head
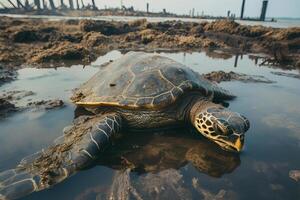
222, 126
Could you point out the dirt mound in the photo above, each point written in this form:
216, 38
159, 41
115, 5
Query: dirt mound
104, 27
62, 51
287, 34
225, 26
197, 30
93, 39
40, 34
220, 76
231, 27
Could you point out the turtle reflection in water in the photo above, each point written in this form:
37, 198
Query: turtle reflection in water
149, 167
138, 91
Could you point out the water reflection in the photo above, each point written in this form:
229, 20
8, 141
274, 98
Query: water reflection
154, 152
149, 166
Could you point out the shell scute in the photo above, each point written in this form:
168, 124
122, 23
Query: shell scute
164, 99
141, 80
144, 101
148, 85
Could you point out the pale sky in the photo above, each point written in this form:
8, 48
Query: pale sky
276, 8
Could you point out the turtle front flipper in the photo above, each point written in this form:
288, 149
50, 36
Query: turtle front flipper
77, 149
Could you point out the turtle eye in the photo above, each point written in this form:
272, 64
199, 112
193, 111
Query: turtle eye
228, 131
218, 128
223, 129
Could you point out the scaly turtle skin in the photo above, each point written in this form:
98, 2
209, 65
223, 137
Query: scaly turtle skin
138, 92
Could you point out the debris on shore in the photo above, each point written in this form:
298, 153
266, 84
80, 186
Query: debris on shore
10, 103
7, 75
45, 104
220, 76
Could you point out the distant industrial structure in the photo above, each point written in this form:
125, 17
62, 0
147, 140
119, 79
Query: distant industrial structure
77, 7
262, 14
48, 5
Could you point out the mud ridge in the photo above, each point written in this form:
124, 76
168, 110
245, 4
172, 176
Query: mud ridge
220, 76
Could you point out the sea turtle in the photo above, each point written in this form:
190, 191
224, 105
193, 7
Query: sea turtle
138, 91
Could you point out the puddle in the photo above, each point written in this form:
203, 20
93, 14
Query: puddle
261, 171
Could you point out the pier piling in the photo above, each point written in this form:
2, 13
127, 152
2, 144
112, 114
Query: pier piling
243, 9
71, 4
77, 3
147, 7
37, 3
52, 5
94, 5
264, 10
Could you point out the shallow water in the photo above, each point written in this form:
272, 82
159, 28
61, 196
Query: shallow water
261, 171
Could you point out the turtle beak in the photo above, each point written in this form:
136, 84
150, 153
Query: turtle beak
238, 145
233, 143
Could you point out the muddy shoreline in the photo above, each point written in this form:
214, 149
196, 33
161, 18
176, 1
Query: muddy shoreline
40, 42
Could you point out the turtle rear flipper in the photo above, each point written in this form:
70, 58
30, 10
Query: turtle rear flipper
76, 150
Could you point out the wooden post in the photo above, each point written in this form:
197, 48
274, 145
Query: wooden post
20, 4
77, 2
38, 4
52, 5
94, 5
27, 5
263, 10
228, 14
71, 4
236, 60
147, 7
242, 10
62, 4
